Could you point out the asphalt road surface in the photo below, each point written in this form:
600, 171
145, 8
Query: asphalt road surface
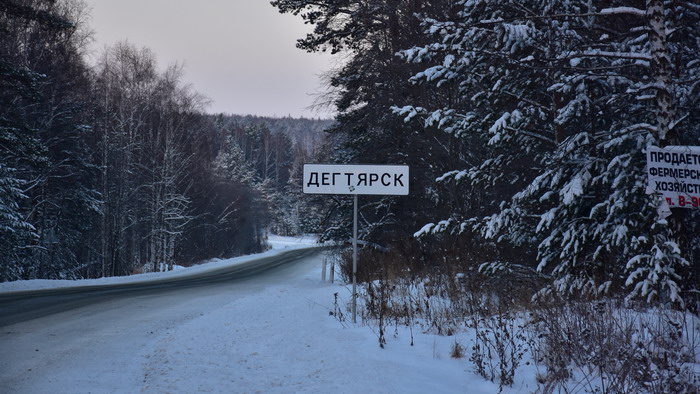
98, 339
17, 307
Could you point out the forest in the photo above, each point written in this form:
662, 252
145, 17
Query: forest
116, 168
528, 225
525, 128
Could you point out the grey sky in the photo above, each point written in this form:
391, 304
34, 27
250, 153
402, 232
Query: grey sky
239, 53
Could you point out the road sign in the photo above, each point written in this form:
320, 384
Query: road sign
355, 179
674, 171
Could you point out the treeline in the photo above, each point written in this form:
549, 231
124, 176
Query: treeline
115, 168
267, 155
308, 133
525, 126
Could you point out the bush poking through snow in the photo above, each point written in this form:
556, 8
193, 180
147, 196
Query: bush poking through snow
603, 346
337, 311
600, 345
457, 350
499, 347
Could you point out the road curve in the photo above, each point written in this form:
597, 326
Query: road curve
19, 306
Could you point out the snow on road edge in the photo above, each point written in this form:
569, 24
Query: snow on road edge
278, 244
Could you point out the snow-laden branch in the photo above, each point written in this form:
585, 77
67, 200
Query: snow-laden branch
623, 10
687, 4
615, 54
603, 12
532, 134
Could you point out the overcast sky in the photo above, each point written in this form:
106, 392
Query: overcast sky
241, 54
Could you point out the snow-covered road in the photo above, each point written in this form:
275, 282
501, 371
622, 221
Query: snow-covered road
268, 334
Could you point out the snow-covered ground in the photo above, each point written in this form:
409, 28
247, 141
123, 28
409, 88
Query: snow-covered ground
271, 334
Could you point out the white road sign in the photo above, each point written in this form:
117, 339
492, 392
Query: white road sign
355, 179
674, 171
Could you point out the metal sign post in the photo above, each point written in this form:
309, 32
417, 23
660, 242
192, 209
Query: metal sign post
354, 258
355, 179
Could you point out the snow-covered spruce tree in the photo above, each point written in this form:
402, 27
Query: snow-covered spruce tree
48, 199
14, 230
65, 203
250, 203
19, 147
565, 97
367, 35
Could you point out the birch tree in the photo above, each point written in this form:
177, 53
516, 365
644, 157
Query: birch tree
126, 80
